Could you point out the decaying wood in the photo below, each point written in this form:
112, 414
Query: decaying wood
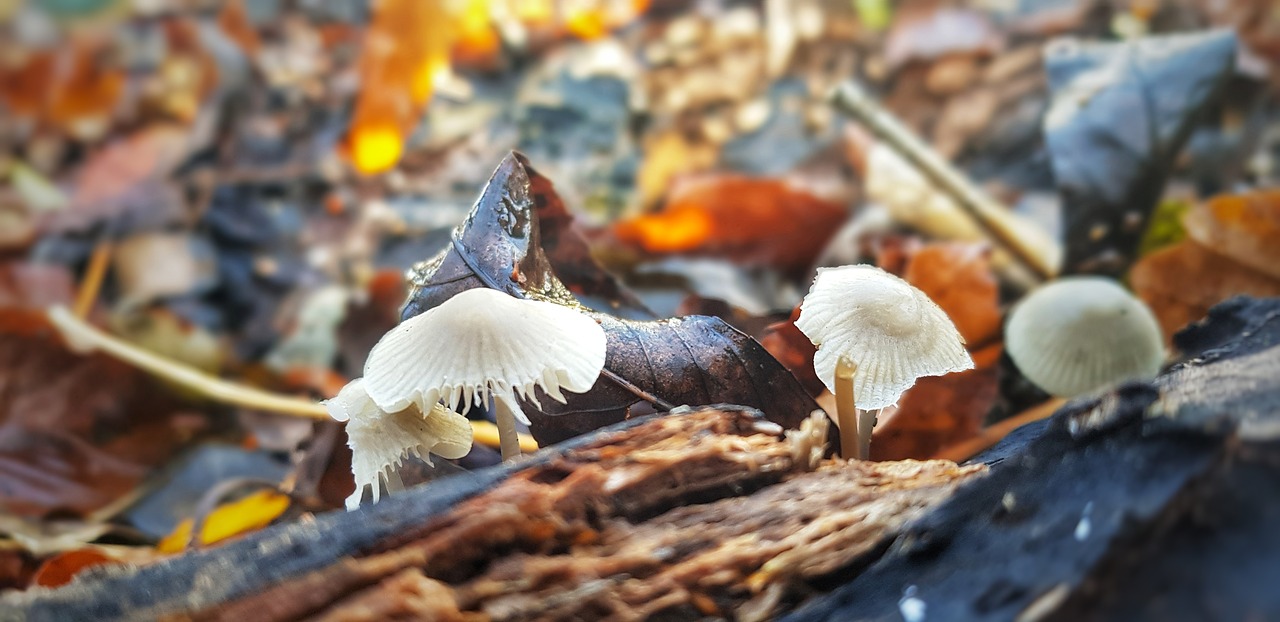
592, 533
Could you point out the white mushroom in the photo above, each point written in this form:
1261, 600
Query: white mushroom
1077, 335
876, 334
483, 344
381, 440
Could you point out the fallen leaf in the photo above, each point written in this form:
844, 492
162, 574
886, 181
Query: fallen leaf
1120, 115
794, 350
1244, 227
1182, 282
234, 20
63, 567
751, 221
406, 47
76, 432
691, 360
127, 176
17, 567
958, 277
251, 513
82, 97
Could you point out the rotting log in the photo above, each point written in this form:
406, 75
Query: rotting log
1157, 500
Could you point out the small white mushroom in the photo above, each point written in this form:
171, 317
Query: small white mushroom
1077, 335
381, 440
483, 344
876, 334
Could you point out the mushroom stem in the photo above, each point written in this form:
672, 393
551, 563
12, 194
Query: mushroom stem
847, 409
866, 423
507, 437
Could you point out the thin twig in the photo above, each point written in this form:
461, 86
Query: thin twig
850, 99
93, 277
990, 436
84, 337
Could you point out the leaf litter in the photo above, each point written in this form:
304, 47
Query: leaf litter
253, 187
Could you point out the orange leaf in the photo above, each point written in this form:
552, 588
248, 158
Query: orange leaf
406, 46
1244, 227
958, 277
85, 91
251, 513
747, 220
1181, 282
63, 567
234, 20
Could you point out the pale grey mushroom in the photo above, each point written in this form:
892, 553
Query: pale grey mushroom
483, 345
876, 334
1078, 335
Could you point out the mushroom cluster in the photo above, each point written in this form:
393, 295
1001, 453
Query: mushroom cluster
479, 347
876, 335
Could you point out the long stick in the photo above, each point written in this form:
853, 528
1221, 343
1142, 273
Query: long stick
84, 337
850, 99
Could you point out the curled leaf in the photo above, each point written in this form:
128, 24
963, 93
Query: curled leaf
690, 360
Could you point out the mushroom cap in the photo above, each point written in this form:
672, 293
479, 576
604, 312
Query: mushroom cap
482, 344
1080, 334
892, 331
380, 440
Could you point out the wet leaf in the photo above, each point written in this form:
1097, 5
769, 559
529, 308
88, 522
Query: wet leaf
692, 360
251, 513
76, 432
1244, 227
1120, 114
751, 221
1182, 282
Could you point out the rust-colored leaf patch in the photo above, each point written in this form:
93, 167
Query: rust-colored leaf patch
1183, 281
751, 221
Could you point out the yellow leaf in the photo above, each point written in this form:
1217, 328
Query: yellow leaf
230, 519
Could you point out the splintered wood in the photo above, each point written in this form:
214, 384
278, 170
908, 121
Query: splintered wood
713, 513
